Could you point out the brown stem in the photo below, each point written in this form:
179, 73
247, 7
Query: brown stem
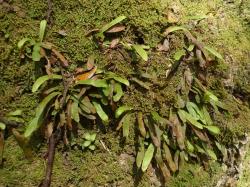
51, 155
53, 140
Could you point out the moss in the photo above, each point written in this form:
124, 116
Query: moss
224, 29
195, 176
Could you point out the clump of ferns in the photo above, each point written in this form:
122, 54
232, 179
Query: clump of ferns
188, 133
69, 101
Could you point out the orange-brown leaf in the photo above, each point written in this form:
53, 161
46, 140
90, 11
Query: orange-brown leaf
87, 75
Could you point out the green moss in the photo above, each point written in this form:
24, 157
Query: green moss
224, 29
195, 176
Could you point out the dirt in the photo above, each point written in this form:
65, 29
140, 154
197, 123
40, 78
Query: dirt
223, 25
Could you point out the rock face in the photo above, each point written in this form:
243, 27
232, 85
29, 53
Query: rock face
223, 25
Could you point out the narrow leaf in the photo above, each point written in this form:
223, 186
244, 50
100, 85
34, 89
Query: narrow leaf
139, 49
141, 124
43, 24
99, 83
173, 29
36, 56
211, 153
213, 129
100, 111
140, 153
148, 157
168, 157
111, 75
118, 91
112, 23
121, 110
213, 52
15, 113
43, 79
75, 112
37, 121
189, 118
126, 124
22, 42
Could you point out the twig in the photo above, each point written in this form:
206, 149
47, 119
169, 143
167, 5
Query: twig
104, 146
49, 11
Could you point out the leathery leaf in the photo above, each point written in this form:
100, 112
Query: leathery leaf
100, 111
75, 112
141, 51
43, 79
121, 110
112, 23
184, 115
140, 153
148, 157
37, 121
118, 91
99, 83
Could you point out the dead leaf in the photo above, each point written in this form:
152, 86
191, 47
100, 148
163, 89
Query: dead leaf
92, 32
49, 130
165, 171
117, 28
90, 62
188, 77
202, 135
163, 47
62, 59
87, 75
202, 61
114, 43
141, 124
168, 158
62, 32
172, 18
178, 131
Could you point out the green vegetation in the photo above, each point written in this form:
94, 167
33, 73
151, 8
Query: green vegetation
138, 88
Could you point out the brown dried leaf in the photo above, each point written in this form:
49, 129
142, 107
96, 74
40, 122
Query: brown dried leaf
49, 130
165, 171
202, 135
172, 18
116, 28
92, 32
114, 43
168, 158
178, 131
141, 124
62, 59
152, 132
90, 62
